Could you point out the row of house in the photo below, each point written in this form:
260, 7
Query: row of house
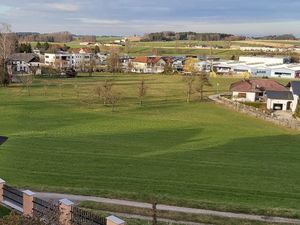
277, 67
275, 95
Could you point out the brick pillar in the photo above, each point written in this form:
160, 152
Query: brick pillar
65, 208
112, 220
28, 203
2, 182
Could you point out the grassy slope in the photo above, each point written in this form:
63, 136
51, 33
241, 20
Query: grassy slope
198, 154
3, 211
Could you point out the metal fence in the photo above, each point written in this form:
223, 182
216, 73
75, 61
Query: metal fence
13, 196
46, 210
83, 217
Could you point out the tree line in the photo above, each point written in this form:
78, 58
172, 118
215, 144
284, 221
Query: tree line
184, 36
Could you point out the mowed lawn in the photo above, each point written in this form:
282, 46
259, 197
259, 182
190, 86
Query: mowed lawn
197, 154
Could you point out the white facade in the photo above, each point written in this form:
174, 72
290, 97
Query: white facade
280, 104
266, 60
244, 96
64, 60
141, 67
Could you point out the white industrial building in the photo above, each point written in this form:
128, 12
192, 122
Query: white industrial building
277, 67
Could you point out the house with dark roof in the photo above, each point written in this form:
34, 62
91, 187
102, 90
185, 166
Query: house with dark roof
294, 87
151, 64
254, 89
21, 62
280, 100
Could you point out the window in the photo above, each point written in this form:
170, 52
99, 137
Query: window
242, 95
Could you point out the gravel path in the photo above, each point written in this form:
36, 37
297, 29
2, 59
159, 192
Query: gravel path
80, 198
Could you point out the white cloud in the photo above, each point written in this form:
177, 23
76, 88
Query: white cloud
64, 7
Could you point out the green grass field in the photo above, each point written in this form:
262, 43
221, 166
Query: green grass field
3, 211
197, 154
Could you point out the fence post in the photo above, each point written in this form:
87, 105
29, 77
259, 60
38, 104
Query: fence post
2, 182
65, 208
112, 220
28, 203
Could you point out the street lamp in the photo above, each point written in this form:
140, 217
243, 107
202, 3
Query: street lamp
3, 139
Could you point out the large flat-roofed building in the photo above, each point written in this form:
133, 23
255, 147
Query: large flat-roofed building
265, 60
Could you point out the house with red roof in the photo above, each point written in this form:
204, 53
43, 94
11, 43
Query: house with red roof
148, 64
254, 89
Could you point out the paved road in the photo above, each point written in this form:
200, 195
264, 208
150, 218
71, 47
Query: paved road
80, 198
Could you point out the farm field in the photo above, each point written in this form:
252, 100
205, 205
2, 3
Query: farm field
197, 154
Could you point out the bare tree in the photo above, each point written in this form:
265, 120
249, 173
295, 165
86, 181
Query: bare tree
91, 66
27, 81
203, 81
114, 99
106, 90
45, 84
113, 61
7, 47
189, 80
142, 91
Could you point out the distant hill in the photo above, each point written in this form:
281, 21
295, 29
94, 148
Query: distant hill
182, 36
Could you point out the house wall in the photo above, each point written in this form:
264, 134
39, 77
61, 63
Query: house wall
283, 73
250, 96
260, 72
272, 102
145, 68
266, 60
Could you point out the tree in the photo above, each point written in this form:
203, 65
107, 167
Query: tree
203, 81
91, 66
190, 66
106, 90
189, 80
7, 47
96, 49
142, 91
27, 81
113, 61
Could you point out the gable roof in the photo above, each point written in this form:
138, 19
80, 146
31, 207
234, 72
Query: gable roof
24, 57
295, 85
257, 85
148, 60
280, 95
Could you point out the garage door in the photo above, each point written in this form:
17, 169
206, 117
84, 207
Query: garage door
277, 106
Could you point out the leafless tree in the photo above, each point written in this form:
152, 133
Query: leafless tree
7, 47
45, 84
113, 61
27, 81
114, 99
203, 81
189, 80
142, 91
106, 90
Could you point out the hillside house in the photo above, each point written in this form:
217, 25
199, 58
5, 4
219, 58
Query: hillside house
22, 62
254, 89
280, 100
294, 87
143, 64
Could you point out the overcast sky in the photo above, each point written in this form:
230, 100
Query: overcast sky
128, 17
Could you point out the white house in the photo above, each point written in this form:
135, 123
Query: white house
67, 60
254, 89
280, 100
295, 89
22, 62
143, 64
